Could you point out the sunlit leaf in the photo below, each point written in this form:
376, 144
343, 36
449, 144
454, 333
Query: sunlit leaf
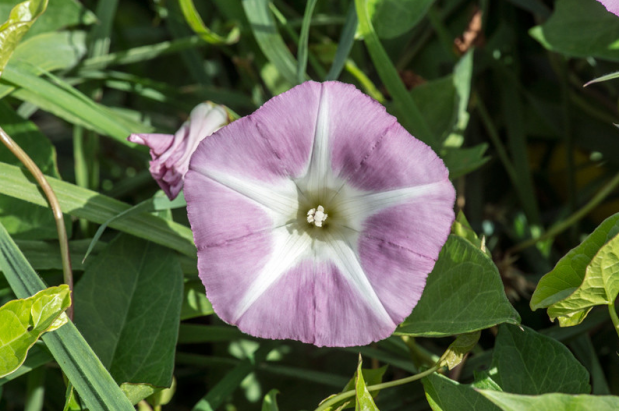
195, 302
458, 349
551, 402
77, 360
11, 31
585, 277
270, 403
363, 398
23, 321
195, 22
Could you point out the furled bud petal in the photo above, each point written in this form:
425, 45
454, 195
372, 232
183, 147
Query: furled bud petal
171, 153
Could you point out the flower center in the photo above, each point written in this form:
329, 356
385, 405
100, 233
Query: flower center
317, 216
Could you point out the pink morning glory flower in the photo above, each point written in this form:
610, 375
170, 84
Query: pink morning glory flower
171, 153
317, 218
610, 5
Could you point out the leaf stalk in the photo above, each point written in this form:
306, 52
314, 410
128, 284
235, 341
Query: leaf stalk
54, 205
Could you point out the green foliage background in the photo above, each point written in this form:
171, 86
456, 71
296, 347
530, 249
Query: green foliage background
494, 87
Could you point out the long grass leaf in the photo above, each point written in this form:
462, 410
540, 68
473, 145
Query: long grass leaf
96, 387
98, 208
302, 47
268, 38
408, 112
65, 101
195, 22
345, 44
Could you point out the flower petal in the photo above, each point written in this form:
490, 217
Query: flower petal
396, 161
270, 145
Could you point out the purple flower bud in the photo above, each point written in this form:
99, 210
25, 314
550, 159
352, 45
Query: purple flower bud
171, 153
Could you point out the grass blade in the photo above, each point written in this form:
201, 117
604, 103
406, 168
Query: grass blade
195, 22
268, 38
84, 203
345, 44
77, 360
408, 112
68, 103
302, 48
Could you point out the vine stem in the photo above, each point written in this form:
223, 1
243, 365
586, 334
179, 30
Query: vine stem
614, 315
571, 220
351, 393
54, 205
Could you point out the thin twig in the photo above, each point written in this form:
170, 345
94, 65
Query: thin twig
349, 394
54, 205
571, 220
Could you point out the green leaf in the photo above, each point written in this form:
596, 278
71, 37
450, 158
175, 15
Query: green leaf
462, 228
127, 305
444, 394
98, 208
68, 103
58, 15
464, 293
52, 51
363, 398
529, 363
195, 22
438, 104
195, 302
38, 356
551, 402
20, 19
577, 282
270, 403
599, 287
370, 376
302, 45
407, 111
136, 392
458, 349
77, 360
604, 78
21, 218
462, 161
163, 396
580, 28
391, 18
23, 321
269, 40
71, 399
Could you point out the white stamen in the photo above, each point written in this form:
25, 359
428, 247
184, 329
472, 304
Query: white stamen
317, 216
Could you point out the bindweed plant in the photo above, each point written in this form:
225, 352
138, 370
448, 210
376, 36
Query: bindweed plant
309, 205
